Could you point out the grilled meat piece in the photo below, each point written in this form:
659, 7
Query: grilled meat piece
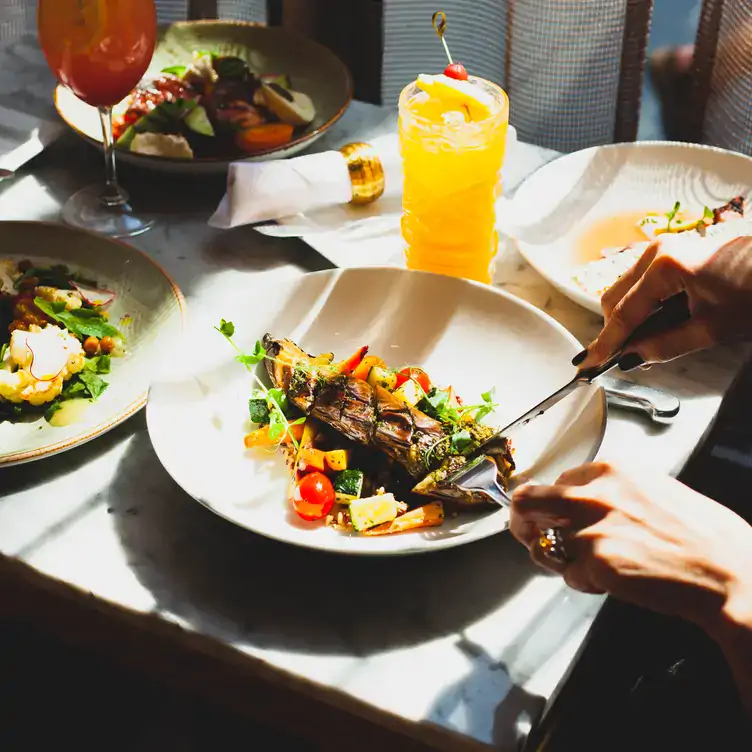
374, 417
500, 450
370, 416
734, 209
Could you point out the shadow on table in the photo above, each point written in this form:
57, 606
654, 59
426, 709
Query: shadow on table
229, 583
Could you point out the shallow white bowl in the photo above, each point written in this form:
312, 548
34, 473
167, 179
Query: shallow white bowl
465, 334
556, 204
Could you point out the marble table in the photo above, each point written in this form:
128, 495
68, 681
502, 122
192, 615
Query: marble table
458, 650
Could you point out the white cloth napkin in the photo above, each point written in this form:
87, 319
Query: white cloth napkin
263, 191
311, 194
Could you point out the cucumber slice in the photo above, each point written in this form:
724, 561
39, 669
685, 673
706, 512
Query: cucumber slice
198, 121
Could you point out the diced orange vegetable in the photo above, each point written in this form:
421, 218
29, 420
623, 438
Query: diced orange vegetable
311, 459
337, 459
262, 137
365, 366
260, 437
350, 364
429, 515
296, 432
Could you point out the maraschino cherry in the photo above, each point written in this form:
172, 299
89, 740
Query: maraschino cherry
456, 70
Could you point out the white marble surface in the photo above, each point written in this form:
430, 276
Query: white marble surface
472, 640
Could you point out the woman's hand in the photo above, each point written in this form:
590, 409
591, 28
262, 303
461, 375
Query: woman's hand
715, 274
646, 539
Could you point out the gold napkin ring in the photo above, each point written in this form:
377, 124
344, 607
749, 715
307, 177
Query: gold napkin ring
366, 172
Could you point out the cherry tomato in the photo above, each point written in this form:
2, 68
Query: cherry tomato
313, 497
456, 70
416, 374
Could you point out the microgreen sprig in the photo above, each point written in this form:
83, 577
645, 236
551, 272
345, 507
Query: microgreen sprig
279, 425
672, 214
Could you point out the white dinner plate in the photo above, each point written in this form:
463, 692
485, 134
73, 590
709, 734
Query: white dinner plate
555, 205
463, 333
148, 308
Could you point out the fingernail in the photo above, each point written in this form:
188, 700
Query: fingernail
630, 361
579, 357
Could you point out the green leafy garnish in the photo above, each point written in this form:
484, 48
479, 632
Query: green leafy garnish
672, 214
707, 213
254, 358
52, 409
275, 399
230, 67
98, 364
84, 385
3, 350
226, 328
176, 70
82, 322
461, 441
488, 405
94, 384
436, 405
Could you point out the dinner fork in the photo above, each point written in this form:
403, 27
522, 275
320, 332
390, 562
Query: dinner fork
673, 313
480, 475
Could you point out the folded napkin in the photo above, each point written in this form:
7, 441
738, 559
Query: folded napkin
28, 121
264, 191
312, 194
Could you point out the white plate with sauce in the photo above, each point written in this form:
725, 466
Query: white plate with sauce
148, 309
571, 209
463, 333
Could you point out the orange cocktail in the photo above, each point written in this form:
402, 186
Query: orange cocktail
99, 49
453, 140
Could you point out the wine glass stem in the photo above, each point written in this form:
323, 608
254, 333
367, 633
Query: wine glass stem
113, 195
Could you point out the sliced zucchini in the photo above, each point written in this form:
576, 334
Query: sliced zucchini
365, 366
373, 511
259, 411
410, 393
382, 377
337, 459
348, 485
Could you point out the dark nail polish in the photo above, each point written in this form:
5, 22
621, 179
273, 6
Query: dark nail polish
579, 357
630, 361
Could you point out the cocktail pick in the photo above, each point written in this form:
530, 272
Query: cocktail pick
453, 70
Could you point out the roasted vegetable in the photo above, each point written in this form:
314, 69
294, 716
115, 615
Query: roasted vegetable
263, 137
430, 515
365, 366
337, 460
348, 485
373, 511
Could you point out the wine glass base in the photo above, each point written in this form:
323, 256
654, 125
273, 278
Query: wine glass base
86, 211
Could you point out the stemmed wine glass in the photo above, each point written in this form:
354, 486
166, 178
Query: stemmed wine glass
100, 49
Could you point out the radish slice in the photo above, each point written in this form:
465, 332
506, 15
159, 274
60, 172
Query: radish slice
48, 359
94, 297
